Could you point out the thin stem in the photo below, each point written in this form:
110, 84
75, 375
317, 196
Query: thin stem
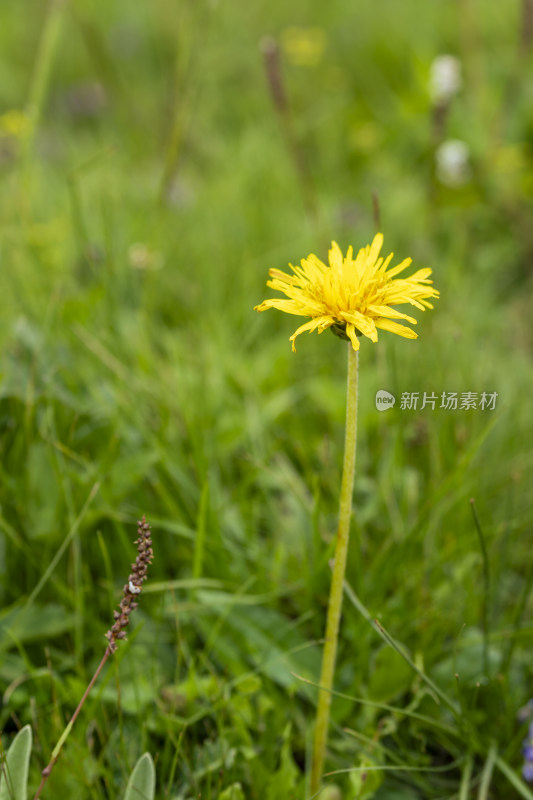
526, 37
117, 631
403, 653
281, 103
201, 525
337, 581
376, 211
57, 749
486, 588
43, 64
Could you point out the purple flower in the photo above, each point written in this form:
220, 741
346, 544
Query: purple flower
528, 750
525, 714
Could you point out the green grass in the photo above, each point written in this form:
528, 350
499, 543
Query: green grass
139, 380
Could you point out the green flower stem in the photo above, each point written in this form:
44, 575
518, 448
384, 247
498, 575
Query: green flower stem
339, 568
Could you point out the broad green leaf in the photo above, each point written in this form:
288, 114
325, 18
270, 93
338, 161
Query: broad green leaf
14, 777
141, 785
21, 624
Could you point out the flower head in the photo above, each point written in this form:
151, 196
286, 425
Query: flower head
133, 588
353, 296
453, 163
445, 78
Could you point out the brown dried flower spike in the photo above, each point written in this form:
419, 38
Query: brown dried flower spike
131, 589
122, 618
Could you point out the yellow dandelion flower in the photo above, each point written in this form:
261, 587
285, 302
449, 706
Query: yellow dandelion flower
354, 297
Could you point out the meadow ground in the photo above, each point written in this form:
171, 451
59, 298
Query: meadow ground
156, 159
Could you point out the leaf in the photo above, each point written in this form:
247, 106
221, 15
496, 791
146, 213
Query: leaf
233, 792
390, 675
141, 784
24, 624
285, 779
14, 777
44, 495
366, 784
261, 636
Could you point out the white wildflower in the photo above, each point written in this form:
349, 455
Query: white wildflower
445, 78
453, 163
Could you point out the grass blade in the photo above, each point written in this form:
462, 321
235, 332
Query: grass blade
513, 778
401, 651
486, 775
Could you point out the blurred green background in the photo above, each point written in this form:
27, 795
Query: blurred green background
156, 159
